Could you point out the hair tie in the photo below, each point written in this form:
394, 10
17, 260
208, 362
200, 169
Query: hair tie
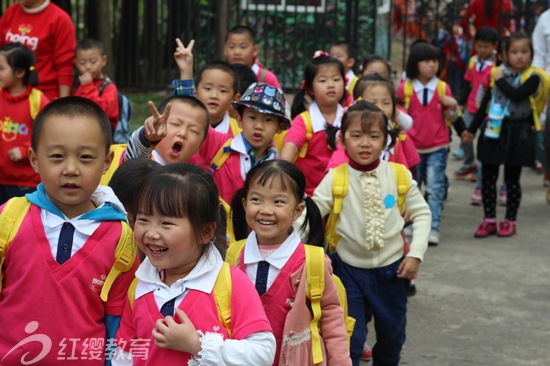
31, 68
305, 196
357, 100
320, 53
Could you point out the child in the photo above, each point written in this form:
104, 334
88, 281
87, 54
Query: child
306, 140
241, 48
274, 259
20, 102
69, 276
177, 213
375, 65
513, 144
457, 50
92, 83
369, 255
479, 69
429, 102
345, 53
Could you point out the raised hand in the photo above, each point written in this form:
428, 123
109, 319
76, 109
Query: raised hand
155, 126
85, 78
184, 58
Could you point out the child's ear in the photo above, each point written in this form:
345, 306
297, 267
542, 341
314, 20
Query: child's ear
33, 160
256, 50
108, 160
240, 120
299, 209
207, 233
237, 97
350, 63
103, 60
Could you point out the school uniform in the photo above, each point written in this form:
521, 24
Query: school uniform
228, 126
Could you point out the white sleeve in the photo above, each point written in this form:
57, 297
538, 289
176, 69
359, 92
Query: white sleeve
404, 121
258, 349
122, 358
136, 148
539, 44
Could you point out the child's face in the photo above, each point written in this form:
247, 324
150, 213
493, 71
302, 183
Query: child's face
427, 69
71, 161
271, 210
170, 243
328, 85
340, 53
259, 129
519, 55
8, 79
91, 62
484, 49
216, 92
380, 96
376, 67
363, 147
186, 129
239, 49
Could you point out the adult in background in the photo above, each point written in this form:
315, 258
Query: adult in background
490, 13
541, 58
49, 31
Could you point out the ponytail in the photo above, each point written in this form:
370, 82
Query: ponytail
298, 104
331, 132
314, 222
238, 215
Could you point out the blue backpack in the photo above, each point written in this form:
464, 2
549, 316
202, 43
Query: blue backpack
121, 134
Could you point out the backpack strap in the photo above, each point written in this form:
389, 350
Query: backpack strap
221, 156
340, 182
222, 294
118, 155
34, 102
234, 251
403, 184
407, 93
125, 255
315, 277
263, 71
309, 133
103, 85
132, 292
10, 221
234, 126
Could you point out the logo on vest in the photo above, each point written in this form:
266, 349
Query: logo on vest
10, 130
97, 283
43, 339
23, 37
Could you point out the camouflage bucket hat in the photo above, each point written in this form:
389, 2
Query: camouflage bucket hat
266, 99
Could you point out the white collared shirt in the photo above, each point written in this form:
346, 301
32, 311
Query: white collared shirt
224, 126
238, 145
201, 278
276, 260
318, 120
350, 75
419, 88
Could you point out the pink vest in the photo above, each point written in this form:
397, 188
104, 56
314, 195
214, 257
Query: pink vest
429, 129
58, 303
476, 78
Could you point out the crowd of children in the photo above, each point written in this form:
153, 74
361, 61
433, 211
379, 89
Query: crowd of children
219, 175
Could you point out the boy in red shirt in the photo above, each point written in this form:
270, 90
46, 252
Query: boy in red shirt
92, 83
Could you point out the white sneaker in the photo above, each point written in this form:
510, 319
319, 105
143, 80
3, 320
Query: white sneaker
433, 239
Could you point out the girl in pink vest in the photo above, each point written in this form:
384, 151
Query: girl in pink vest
429, 132
174, 317
274, 259
306, 142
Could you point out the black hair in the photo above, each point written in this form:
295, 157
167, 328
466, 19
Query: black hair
350, 50
242, 29
21, 58
71, 107
487, 34
130, 176
222, 66
245, 75
422, 51
299, 102
190, 101
91, 44
515, 37
374, 58
184, 191
368, 114
289, 177
367, 81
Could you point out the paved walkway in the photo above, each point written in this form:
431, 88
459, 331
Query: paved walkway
484, 301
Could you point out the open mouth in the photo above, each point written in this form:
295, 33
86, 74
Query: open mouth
70, 186
176, 148
266, 223
157, 250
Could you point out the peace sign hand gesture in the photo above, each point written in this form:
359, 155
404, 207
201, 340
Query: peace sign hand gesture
184, 59
155, 126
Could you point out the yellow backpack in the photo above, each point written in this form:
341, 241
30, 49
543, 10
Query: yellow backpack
315, 276
118, 150
537, 100
340, 181
15, 211
408, 91
222, 295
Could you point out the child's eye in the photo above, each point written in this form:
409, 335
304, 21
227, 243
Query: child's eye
279, 202
56, 156
254, 199
194, 131
87, 157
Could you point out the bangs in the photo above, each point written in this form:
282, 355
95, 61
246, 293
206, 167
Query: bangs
425, 52
158, 196
367, 120
272, 174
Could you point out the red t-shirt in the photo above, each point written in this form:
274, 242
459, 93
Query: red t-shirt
107, 100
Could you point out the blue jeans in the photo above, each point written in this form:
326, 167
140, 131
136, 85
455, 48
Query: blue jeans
380, 293
431, 172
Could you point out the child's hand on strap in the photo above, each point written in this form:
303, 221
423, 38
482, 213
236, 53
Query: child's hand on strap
408, 268
155, 126
177, 336
184, 59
